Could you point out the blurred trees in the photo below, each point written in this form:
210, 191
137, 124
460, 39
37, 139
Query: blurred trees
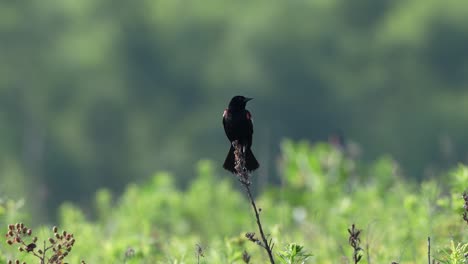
99, 93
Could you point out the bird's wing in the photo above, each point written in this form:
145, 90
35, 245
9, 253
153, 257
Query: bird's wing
249, 126
226, 129
250, 119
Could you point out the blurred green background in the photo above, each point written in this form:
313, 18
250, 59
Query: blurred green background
98, 94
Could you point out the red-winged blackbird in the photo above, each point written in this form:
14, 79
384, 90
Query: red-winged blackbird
237, 122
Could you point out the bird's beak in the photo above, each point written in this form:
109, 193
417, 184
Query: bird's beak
247, 99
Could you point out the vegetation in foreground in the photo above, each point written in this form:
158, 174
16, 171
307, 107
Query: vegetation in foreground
325, 200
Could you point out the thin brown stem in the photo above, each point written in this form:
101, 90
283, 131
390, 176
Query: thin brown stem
42, 258
267, 245
244, 178
367, 253
429, 250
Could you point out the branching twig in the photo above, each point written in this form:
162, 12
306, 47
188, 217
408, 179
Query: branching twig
244, 178
61, 244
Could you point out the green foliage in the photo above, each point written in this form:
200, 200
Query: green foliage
459, 178
323, 191
293, 254
455, 254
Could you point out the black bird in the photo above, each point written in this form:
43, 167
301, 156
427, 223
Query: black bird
237, 122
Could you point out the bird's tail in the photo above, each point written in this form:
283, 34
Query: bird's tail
251, 162
229, 162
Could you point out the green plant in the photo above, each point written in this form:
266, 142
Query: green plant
158, 222
354, 241
294, 254
455, 254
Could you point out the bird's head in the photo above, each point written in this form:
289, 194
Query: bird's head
239, 102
